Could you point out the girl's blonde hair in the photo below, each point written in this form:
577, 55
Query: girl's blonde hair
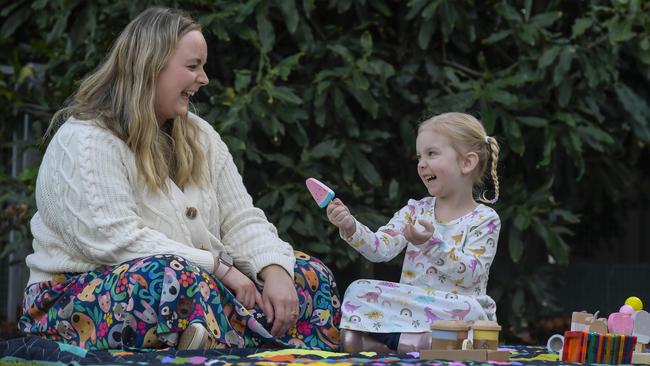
468, 135
120, 94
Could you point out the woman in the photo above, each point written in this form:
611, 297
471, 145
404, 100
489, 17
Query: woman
145, 236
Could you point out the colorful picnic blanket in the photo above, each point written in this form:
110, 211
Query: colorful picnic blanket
35, 350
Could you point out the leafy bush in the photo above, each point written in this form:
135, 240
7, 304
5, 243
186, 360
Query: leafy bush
335, 90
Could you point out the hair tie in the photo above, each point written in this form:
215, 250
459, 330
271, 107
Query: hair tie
487, 139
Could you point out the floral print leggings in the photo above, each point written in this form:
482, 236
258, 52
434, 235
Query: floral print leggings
147, 302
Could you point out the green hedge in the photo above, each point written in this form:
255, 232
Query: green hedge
335, 89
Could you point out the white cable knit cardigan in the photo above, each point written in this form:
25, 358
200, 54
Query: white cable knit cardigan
92, 213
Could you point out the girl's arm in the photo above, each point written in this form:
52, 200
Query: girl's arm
388, 241
466, 256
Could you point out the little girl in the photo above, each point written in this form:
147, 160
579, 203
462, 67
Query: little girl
450, 242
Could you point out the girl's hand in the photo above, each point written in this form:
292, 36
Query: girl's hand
419, 237
279, 299
243, 288
339, 215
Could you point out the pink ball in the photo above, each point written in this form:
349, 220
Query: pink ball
626, 309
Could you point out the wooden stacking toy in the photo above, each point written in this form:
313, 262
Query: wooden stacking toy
608, 348
486, 334
448, 334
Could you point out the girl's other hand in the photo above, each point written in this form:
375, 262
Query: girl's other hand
419, 237
339, 215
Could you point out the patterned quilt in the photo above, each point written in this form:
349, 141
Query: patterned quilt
38, 351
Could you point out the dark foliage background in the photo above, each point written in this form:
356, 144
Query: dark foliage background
335, 89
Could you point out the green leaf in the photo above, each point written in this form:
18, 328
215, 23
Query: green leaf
564, 93
308, 6
265, 30
364, 167
545, 20
329, 148
283, 93
580, 26
638, 109
515, 245
284, 68
533, 121
342, 51
242, 80
430, 10
415, 8
549, 147
496, 37
509, 12
563, 66
366, 43
381, 7
11, 7
15, 20
268, 200
290, 12
503, 97
548, 56
424, 36
620, 30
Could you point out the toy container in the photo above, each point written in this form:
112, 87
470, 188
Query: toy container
486, 334
448, 334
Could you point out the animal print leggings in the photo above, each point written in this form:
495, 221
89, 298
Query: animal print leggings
147, 302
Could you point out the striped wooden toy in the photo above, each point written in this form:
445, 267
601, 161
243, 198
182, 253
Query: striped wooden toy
607, 348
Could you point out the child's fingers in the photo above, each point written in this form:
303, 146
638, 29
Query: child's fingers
427, 226
414, 236
334, 204
341, 216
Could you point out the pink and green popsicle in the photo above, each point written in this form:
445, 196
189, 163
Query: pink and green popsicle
321, 193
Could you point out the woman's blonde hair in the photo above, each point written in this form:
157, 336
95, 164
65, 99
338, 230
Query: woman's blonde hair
468, 135
120, 95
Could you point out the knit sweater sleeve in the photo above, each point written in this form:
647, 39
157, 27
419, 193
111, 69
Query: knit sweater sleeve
248, 236
94, 209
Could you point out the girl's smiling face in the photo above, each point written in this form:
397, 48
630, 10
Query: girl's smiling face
438, 164
181, 77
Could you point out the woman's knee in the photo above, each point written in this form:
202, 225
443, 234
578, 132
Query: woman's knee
309, 263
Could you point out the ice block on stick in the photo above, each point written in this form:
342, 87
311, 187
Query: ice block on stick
321, 193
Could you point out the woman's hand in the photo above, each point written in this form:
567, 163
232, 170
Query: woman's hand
419, 237
279, 299
243, 288
339, 215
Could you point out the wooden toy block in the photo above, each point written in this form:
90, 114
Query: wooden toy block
597, 326
448, 334
641, 328
501, 356
465, 355
640, 347
485, 334
580, 320
638, 357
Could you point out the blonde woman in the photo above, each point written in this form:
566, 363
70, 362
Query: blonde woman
450, 241
145, 236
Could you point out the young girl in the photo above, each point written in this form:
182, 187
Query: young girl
450, 242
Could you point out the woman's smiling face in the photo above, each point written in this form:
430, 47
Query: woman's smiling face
181, 77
